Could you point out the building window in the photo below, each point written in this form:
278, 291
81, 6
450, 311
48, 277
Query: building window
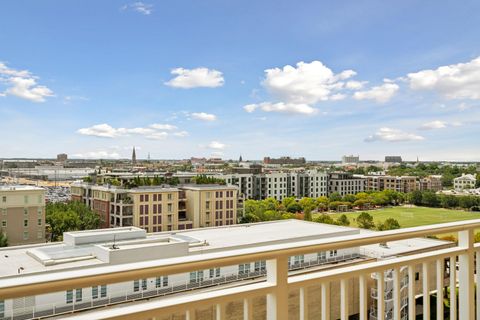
4, 199
165, 281
25, 211
169, 208
39, 211
78, 295
298, 259
146, 197
169, 196
136, 285
144, 284
103, 291
260, 266
244, 268
333, 253
196, 276
4, 211
2, 308
39, 222
141, 198
39, 198
4, 223
95, 292
25, 235
39, 234
25, 222
69, 296
155, 197
322, 255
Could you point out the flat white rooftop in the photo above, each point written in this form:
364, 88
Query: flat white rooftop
19, 187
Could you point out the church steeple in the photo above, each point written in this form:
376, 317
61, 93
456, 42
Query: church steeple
134, 156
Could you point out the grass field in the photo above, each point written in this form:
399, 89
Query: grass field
414, 216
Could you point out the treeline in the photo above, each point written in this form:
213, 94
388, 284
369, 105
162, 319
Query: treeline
272, 209
146, 181
421, 170
364, 221
431, 199
70, 216
203, 179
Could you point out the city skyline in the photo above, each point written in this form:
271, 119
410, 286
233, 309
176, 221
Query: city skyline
317, 80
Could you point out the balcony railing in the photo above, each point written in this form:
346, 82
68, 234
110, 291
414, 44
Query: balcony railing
278, 282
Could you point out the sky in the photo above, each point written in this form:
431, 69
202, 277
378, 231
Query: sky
216, 78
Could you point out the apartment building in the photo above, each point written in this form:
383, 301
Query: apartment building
317, 184
433, 183
22, 214
97, 251
160, 208
345, 183
211, 205
395, 183
465, 181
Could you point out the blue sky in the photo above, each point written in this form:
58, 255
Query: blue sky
178, 78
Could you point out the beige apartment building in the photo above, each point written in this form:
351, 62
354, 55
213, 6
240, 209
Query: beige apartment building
160, 208
22, 214
211, 205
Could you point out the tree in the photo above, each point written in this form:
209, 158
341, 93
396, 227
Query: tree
430, 199
70, 216
415, 197
324, 218
294, 207
3, 239
389, 224
343, 220
365, 221
335, 197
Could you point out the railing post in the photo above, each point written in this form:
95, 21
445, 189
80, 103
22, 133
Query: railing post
380, 295
466, 276
363, 293
247, 309
325, 301
440, 289
411, 292
220, 312
277, 302
344, 299
453, 288
477, 271
426, 291
396, 294
303, 304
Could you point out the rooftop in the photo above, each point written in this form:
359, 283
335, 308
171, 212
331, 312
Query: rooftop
19, 187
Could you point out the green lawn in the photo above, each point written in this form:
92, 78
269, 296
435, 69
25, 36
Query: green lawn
414, 216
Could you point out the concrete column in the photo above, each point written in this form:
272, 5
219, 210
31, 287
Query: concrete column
277, 302
466, 305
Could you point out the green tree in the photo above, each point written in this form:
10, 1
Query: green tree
335, 196
389, 224
70, 216
430, 199
365, 221
3, 239
294, 207
324, 218
343, 220
415, 197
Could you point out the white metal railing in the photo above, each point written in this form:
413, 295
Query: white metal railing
278, 282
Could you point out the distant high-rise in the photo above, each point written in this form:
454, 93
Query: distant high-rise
62, 157
393, 159
134, 156
351, 159
240, 159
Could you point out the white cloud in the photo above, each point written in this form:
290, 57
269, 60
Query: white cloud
195, 78
140, 7
216, 145
155, 131
437, 124
282, 107
355, 85
381, 94
456, 81
204, 116
22, 84
307, 83
160, 126
97, 155
393, 135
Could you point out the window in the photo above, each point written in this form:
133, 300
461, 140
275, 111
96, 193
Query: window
169, 208
165, 281
39, 211
4, 211
2, 308
69, 296
4, 223
217, 272
39, 234
298, 259
158, 282
260, 266
95, 292
417, 276
39, 198
322, 255
136, 286
39, 222
244, 268
144, 284
141, 198
146, 197
25, 199
25, 211
78, 295
4, 199
103, 291
196, 276
25, 235
155, 197
169, 196
333, 253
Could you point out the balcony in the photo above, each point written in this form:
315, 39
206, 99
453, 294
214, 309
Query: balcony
274, 287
